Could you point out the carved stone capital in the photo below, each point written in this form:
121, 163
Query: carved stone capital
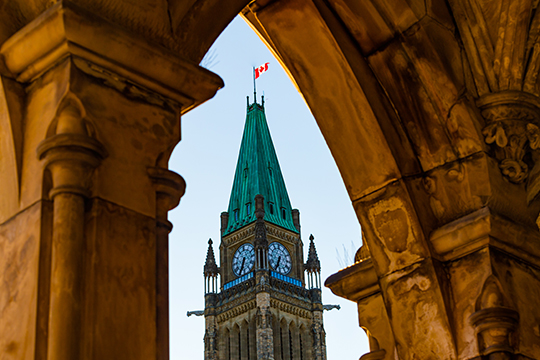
494, 327
170, 187
513, 129
494, 322
71, 159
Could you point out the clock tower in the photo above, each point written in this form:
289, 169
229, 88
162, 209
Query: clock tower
263, 302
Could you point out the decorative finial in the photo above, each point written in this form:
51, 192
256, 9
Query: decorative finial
210, 266
247, 98
313, 263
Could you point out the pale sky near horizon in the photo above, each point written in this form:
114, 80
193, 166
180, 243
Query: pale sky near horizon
206, 158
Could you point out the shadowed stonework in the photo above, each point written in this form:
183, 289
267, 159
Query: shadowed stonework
430, 108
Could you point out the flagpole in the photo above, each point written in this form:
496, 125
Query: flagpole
254, 87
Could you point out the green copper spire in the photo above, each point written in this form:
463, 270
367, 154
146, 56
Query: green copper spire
258, 172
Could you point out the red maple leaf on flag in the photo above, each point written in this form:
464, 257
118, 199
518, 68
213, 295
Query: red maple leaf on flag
259, 70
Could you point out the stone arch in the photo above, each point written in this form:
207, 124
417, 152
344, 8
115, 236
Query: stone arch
432, 135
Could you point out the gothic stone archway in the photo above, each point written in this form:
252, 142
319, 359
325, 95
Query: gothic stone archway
430, 109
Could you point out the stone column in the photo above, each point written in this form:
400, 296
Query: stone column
169, 189
91, 85
71, 156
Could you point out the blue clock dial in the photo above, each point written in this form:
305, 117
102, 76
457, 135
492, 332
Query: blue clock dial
243, 260
279, 258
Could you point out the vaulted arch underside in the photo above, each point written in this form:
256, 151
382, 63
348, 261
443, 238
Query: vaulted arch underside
430, 109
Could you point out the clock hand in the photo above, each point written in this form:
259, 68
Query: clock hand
278, 260
242, 267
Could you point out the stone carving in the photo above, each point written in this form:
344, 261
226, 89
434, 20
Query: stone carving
503, 54
513, 131
494, 322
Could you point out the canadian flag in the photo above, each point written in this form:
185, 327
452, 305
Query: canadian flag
259, 70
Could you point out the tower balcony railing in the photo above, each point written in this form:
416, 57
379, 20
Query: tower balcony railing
237, 281
286, 278
288, 285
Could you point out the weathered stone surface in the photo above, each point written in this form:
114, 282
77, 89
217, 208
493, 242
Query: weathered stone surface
395, 238
430, 109
120, 282
20, 239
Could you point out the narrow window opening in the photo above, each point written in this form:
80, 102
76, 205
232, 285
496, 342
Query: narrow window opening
229, 347
245, 173
301, 348
248, 208
271, 208
290, 345
247, 333
281, 337
283, 213
239, 347
236, 215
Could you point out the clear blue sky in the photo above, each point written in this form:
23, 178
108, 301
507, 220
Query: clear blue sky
206, 158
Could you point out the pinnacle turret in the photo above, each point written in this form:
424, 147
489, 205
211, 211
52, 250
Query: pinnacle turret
313, 266
210, 266
313, 263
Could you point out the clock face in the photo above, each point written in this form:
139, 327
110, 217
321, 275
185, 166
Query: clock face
243, 260
279, 258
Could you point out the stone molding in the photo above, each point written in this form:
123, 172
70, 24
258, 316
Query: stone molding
355, 282
282, 234
483, 228
248, 231
72, 32
237, 310
290, 308
239, 236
